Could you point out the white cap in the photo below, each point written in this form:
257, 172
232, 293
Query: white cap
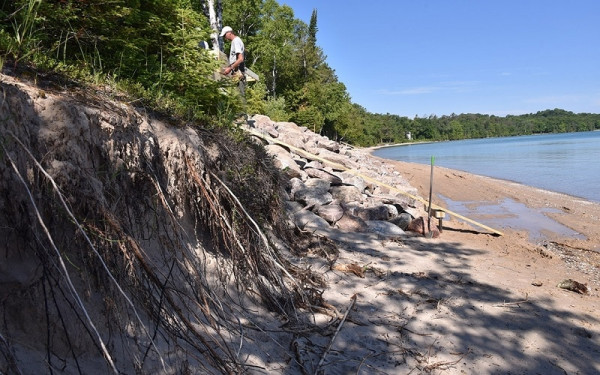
225, 30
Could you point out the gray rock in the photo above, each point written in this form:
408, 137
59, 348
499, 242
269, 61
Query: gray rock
392, 211
312, 198
336, 158
314, 193
351, 179
283, 160
305, 219
293, 140
384, 228
373, 213
317, 184
331, 212
346, 193
261, 121
402, 221
292, 207
314, 164
289, 127
322, 174
329, 145
351, 223
296, 184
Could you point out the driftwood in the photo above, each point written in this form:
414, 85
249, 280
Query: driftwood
350, 268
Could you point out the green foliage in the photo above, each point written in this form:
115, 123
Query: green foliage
150, 49
392, 129
255, 98
275, 109
311, 117
18, 34
147, 45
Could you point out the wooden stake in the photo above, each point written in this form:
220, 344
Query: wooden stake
430, 234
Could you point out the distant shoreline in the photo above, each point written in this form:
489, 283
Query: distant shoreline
555, 162
373, 148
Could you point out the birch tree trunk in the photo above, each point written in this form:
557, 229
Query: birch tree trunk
215, 19
274, 72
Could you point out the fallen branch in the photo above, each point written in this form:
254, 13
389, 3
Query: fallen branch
437, 365
353, 301
516, 303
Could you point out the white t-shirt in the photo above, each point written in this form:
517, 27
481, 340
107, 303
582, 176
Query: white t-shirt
237, 46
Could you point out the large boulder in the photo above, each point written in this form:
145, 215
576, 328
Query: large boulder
305, 219
346, 193
351, 179
379, 212
328, 144
402, 220
284, 161
294, 140
295, 185
384, 228
315, 193
261, 121
331, 212
420, 226
317, 184
289, 127
324, 175
351, 223
338, 159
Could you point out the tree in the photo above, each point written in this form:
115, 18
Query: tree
273, 44
215, 17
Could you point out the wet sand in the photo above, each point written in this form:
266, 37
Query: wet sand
577, 215
530, 218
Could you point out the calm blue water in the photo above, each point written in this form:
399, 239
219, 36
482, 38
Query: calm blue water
567, 163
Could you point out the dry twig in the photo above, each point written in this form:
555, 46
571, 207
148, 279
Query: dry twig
353, 301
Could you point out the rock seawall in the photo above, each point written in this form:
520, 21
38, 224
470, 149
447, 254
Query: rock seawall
334, 185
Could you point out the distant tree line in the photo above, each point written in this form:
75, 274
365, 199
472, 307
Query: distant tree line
151, 50
395, 129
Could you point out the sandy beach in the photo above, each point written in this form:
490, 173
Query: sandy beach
470, 302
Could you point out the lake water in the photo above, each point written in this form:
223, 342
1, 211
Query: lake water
567, 163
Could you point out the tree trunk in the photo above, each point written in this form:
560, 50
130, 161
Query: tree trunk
215, 18
274, 72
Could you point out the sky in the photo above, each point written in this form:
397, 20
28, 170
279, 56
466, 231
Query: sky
439, 57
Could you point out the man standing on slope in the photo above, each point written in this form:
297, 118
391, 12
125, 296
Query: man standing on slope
236, 58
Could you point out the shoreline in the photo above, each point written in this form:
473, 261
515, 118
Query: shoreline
574, 176
373, 148
576, 213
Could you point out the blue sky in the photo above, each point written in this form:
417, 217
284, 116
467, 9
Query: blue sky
438, 57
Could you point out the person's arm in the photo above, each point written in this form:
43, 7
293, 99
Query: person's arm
238, 61
236, 64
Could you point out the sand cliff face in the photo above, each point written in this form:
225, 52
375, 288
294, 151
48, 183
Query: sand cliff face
132, 245
122, 248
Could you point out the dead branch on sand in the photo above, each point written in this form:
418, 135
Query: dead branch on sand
352, 302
